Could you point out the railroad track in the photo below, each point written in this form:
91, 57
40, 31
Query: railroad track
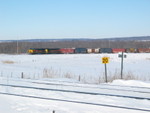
75, 91
72, 91
131, 90
101, 86
79, 102
60, 82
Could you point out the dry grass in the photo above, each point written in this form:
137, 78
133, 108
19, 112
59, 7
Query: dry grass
8, 62
147, 58
51, 73
68, 75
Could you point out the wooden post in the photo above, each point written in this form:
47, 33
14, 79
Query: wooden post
79, 78
22, 75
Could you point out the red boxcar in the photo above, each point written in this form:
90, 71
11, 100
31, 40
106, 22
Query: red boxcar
144, 50
67, 50
117, 50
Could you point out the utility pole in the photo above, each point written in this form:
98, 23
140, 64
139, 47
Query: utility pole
122, 56
17, 47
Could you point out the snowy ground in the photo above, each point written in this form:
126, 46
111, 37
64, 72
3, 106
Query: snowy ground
17, 104
61, 67
87, 66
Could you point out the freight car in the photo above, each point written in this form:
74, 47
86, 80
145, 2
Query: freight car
96, 50
67, 50
131, 50
105, 50
80, 50
144, 50
117, 50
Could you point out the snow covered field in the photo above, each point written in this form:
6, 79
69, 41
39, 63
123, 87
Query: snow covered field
87, 66
64, 93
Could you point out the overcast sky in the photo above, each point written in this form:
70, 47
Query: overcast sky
47, 19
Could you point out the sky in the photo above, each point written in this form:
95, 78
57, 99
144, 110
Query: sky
56, 19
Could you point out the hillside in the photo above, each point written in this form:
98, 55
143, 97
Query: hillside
136, 38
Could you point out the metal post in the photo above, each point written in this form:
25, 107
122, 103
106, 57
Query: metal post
106, 73
17, 47
122, 56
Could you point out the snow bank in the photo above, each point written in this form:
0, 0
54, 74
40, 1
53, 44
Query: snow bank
131, 83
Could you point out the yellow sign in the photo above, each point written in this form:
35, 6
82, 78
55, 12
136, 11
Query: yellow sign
105, 60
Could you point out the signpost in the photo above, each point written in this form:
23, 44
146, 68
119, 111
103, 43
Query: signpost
122, 56
105, 60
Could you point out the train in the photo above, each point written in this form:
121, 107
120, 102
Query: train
86, 50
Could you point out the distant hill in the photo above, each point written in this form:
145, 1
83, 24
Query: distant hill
136, 38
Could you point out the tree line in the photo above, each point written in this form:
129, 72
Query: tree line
19, 47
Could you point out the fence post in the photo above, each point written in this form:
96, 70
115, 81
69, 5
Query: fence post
79, 78
99, 80
22, 75
11, 74
1, 74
